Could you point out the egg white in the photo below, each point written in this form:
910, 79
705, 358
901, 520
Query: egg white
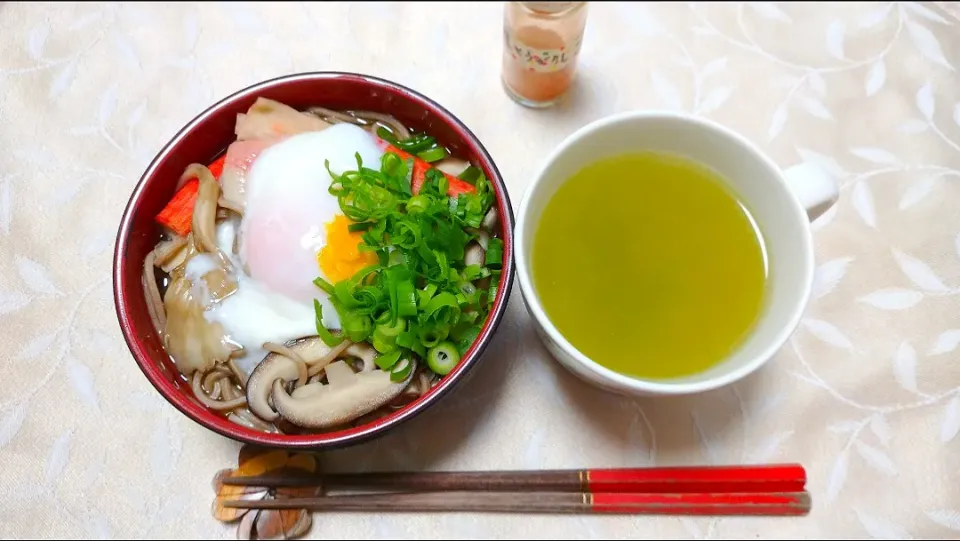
288, 206
282, 231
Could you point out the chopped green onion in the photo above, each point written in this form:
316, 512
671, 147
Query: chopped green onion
494, 256
383, 345
433, 155
443, 357
433, 336
357, 326
406, 299
387, 360
424, 295
415, 143
401, 370
386, 135
322, 331
392, 330
385, 336
470, 174
410, 339
344, 293
394, 298
420, 293
368, 298
473, 220
324, 285
359, 226
396, 258
475, 272
359, 276
492, 290
436, 306
469, 291
406, 235
443, 184
465, 340
407, 339
390, 163
406, 183
419, 204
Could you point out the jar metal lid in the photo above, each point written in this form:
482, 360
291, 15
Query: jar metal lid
550, 7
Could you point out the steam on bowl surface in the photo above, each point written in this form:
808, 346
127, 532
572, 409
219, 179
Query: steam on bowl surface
278, 291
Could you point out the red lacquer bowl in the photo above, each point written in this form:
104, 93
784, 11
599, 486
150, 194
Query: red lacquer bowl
207, 136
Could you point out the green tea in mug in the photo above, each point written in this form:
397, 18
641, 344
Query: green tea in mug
650, 265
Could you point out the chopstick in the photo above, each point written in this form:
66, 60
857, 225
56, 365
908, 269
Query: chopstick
738, 504
774, 478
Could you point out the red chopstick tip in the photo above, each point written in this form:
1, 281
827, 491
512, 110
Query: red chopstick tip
746, 478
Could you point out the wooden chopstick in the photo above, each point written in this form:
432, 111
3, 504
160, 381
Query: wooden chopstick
738, 504
785, 478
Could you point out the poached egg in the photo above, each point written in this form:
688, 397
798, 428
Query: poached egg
292, 231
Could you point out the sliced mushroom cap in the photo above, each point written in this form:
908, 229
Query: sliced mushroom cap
273, 368
194, 342
204, 221
452, 166
172, 253
345, 397
365, 353
483, 238
491, 220
474, 255
280, 367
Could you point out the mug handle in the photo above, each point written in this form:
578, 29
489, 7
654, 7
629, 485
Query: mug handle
816, 189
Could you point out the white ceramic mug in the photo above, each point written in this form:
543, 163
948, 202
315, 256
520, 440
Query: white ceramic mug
783, 207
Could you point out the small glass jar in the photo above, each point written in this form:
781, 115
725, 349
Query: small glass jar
540, 48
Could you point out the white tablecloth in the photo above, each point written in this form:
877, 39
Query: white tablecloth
865, 394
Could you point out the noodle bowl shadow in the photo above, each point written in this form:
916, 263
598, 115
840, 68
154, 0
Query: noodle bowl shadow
206, 137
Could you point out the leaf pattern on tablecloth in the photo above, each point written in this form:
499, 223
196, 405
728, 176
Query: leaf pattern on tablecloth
866, 394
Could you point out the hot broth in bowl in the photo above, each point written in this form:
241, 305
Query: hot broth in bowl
327, 274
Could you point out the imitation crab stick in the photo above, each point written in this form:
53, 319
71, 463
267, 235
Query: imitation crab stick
420, 168
178, 214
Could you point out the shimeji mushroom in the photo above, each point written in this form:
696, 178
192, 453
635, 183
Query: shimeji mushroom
473, 255
346, 396
491, 220
277, 367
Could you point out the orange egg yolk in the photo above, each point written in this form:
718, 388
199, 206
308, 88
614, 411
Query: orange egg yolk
341, 258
